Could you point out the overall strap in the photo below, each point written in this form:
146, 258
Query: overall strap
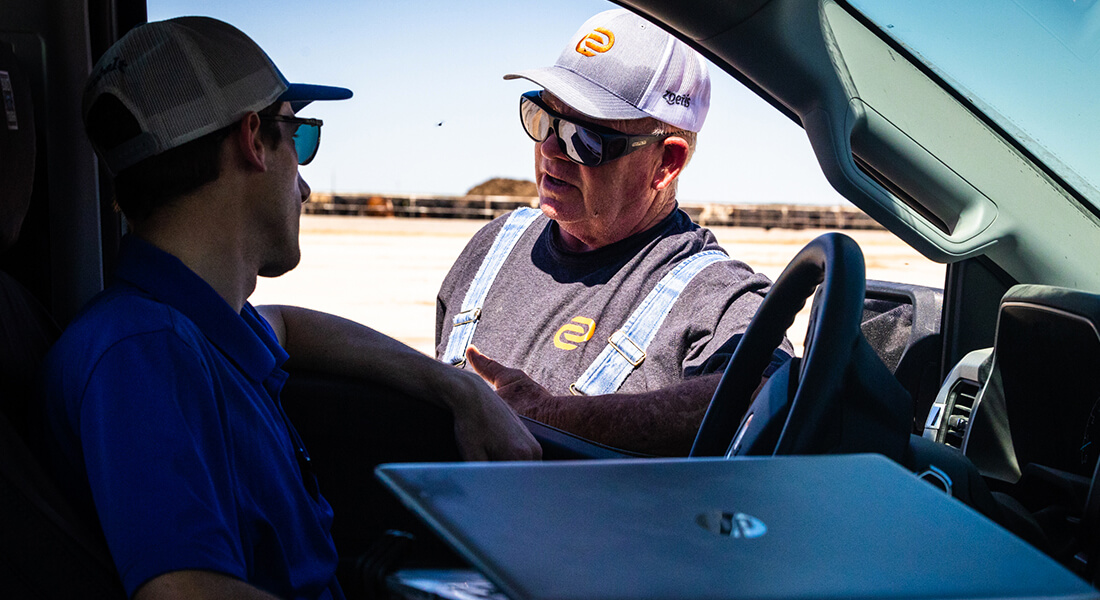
626, 347
465, 321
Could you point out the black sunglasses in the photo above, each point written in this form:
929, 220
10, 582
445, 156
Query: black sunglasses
307, 136
584, 143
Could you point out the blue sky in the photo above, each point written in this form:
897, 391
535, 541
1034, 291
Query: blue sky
432, 114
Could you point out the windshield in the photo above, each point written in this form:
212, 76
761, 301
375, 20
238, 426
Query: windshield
1030, 65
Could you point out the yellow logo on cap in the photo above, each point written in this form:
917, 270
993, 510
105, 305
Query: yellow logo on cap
600, 40
579, 330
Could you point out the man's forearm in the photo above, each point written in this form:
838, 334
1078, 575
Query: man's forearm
485, 427
324, 342
198, 585
662, 422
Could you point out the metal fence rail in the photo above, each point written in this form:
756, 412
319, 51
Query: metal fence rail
767, 216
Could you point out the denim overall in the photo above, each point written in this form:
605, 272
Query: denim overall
625, 348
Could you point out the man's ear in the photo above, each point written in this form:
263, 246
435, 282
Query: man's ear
674, 156
250, 145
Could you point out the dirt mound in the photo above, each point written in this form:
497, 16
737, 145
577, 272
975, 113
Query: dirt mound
499, 186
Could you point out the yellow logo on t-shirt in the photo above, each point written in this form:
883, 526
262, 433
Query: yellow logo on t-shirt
579, 330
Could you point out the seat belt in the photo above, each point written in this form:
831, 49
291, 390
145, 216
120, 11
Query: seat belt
465, 322
626, 348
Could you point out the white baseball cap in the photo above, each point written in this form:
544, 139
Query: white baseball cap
620, 66
184, 78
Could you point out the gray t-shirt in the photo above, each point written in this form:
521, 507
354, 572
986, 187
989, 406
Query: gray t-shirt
550, 311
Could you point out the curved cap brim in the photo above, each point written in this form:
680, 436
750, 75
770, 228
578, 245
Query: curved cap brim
301, 94
581, 94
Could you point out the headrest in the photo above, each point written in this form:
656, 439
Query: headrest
1048, 353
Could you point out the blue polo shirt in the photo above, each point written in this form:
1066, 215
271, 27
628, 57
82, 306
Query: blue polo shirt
164, 404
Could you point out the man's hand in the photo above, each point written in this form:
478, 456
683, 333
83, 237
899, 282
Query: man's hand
660, 422
513, 385
485, 427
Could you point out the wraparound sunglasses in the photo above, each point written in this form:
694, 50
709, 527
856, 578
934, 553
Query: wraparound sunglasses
307, 136
584, 143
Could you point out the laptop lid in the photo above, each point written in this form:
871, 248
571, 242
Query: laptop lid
853, 526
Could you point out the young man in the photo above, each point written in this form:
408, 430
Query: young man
163, 395
610, 314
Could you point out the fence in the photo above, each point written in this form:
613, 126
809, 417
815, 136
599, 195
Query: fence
767, 216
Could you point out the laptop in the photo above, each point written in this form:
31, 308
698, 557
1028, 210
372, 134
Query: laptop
852, 526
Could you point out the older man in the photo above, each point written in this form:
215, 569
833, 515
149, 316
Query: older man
608, 313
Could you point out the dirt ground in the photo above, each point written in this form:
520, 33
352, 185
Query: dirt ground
385, 272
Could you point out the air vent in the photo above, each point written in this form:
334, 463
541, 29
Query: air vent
961, 401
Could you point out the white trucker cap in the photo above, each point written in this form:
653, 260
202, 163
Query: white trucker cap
184, 78
620, 66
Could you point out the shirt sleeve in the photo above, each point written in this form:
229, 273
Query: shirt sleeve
733, 293
154, 446
720, 359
